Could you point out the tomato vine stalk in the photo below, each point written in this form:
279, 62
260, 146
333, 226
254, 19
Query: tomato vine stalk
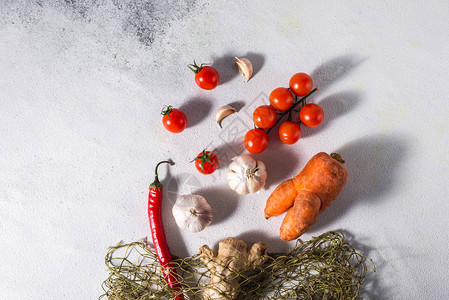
288, 111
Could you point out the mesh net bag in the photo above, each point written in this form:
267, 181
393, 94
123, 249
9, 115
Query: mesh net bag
325, 267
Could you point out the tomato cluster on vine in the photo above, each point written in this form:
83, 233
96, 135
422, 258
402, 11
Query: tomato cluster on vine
283, 102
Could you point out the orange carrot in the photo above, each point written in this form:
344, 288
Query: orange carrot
281, 199
312, 191
325, 175
301, 216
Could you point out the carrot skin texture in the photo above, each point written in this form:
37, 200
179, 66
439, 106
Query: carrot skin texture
301, 216
281, 199
313, 190
323, 176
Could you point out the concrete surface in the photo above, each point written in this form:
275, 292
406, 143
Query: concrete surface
82, 84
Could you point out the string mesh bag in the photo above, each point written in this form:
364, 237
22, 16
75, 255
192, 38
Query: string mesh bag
325, 267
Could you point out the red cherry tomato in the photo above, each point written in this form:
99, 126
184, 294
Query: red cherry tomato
256, 141
174, 120
206, 77
311, 115
206, 162
264, 116
301, 84
281, 99
289, 132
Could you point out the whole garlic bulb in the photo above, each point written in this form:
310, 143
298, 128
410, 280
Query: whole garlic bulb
246, 175
192, 212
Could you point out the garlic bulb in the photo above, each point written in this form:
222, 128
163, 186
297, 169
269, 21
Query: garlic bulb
192, 212
246, 175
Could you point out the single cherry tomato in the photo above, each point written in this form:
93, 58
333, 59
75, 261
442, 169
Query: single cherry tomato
301, 84
289, 132
281, 99
264, 116
206, 162
311, 115
205, 77
174, 120
256, 141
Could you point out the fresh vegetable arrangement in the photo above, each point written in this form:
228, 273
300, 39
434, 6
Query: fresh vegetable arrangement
284, 102
308, 194
325, 267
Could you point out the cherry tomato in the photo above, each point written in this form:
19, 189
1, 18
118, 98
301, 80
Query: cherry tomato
264, 116
256, 141
281, 99
206, 77
206, 162
311, 115
174, 120
289, 132
301, 84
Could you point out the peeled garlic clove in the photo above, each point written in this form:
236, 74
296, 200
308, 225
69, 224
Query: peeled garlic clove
223, 112
192, 212
245, 67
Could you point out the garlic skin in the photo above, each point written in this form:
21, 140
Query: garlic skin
245, 67
223, 112
192, 212
246, 175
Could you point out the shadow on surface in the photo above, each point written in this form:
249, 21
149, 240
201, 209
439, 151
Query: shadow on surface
222, 200
257, 60
228, 70
334, 106
238, 105
334, 69
371, 288
274, 244
226, 67
174, 239
193, 114
280, 159
225, 153
372, 163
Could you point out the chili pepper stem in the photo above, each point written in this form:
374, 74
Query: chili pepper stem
156, 183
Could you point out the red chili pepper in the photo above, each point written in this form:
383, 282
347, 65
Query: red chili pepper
158, 235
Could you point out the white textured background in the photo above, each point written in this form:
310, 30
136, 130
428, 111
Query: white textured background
82, 84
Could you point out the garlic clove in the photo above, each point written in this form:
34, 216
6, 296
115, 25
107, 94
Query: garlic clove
243, 188
192, 212
253, 185
223, 112
261, 173
247, 161
245, 67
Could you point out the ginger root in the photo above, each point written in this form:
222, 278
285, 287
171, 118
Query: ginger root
226, 266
